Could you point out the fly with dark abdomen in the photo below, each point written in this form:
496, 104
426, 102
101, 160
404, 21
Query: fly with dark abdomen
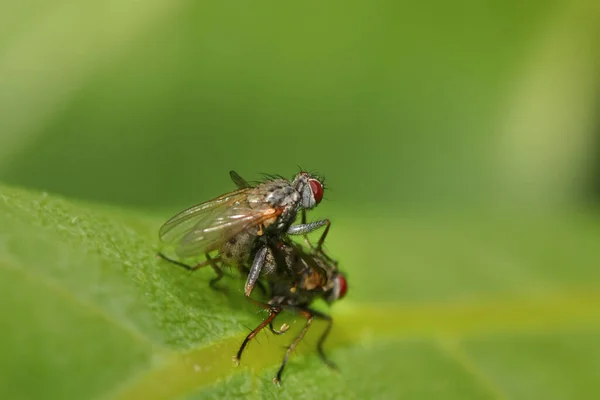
296, 278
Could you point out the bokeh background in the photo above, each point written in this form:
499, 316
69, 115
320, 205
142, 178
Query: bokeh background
150, 104
416, 113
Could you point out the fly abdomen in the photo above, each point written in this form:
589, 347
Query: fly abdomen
237, 249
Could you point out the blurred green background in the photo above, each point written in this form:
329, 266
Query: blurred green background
150, 104
441, 129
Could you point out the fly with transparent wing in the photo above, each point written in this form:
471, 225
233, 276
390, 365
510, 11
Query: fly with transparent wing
241, 223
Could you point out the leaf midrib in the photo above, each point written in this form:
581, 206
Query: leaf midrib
190, 370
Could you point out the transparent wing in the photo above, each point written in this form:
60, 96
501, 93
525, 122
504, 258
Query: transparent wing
205, 227
179, 225
316, 263
238, 180
309, 260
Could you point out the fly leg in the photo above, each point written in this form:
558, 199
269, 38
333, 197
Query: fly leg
218, 271
209, 261
291, 347
310, 316
252, 280
284, 328
305, 228
254, 273
323, 337
308, 243
273, 312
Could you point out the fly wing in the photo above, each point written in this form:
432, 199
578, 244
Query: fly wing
179, 225
205, 227
309, 261
312, 273
238, 180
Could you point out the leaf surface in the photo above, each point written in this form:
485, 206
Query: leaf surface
478, 308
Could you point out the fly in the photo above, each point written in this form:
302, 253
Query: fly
240, 223
296, 278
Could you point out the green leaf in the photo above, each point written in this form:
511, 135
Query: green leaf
437, 308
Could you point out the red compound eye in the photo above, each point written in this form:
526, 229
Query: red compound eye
343, 286
316, 188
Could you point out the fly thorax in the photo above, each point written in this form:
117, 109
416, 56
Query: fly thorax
283, 196
287, 218
313, 280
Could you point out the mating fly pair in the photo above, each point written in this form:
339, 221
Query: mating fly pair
249, 229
